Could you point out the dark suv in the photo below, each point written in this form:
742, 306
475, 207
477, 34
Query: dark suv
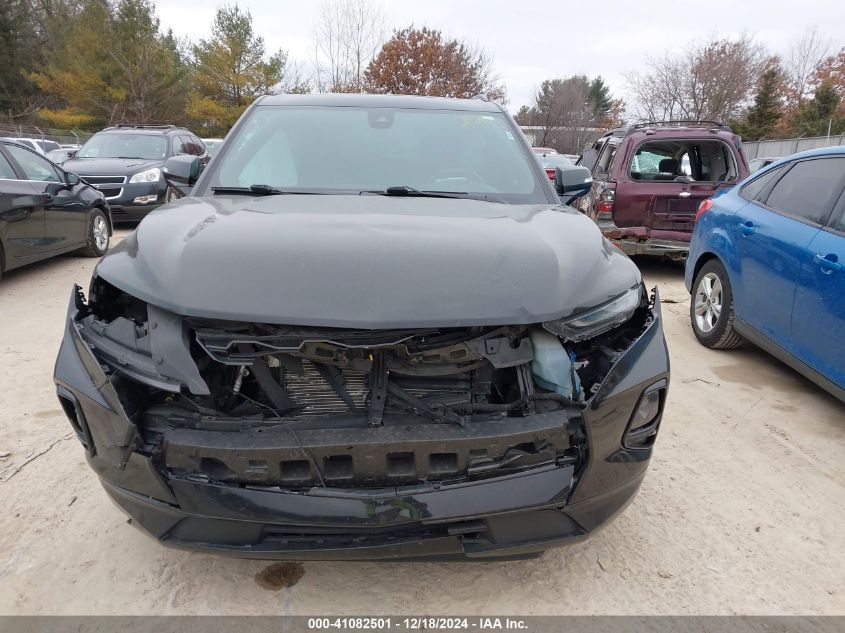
125, 163
649, 179
407, 347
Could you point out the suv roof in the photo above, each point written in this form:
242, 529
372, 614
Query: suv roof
145, 128
476, 104
655, 127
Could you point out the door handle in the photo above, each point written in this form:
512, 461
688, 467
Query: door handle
827, 263
17, 215
747, 228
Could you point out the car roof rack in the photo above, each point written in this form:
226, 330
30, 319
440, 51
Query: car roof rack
681, 123
147, 126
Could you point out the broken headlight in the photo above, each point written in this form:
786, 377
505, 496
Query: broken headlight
595, 321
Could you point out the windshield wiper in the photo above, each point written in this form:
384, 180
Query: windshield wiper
259, 190
405, 190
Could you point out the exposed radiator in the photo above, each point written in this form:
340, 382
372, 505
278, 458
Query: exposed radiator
317, 396
313, 392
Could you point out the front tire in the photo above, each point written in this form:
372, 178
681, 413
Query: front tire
97, 237
712, 308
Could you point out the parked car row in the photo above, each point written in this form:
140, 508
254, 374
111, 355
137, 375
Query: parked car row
46, 211
764, 254
55, 199
501, 353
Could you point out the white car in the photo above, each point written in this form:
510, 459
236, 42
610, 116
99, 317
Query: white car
39, 145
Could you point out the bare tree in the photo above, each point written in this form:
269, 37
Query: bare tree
805, 54
713, 80
348, 35
565, 111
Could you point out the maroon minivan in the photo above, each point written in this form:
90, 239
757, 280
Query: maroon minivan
648, 180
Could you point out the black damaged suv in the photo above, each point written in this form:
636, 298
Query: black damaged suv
125, 163
409, 347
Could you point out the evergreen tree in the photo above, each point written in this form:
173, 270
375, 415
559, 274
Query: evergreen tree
125, 70
815, 117
763, 116
231, 70
600, 97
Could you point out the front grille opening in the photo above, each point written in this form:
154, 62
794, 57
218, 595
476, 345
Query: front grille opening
338, 467
401, 465
295, 471
443, 463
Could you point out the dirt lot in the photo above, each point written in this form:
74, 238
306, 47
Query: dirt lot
741, 512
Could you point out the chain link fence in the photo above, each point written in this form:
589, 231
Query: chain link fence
62, 136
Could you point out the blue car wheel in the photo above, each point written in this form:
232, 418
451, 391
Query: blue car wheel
712, 307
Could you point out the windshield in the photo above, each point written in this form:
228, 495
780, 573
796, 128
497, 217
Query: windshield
355, 149
58, 155
112, 145
554, 160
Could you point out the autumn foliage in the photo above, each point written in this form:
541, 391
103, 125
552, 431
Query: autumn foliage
423, 62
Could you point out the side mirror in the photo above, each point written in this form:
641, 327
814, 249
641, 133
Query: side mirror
71, 179
182, 170
572, 182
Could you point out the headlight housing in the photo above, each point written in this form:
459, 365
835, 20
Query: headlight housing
595, 321
148, 175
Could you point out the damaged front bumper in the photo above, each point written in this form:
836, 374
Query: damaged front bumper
555, 491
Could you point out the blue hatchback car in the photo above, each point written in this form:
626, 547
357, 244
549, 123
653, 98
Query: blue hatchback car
767, 264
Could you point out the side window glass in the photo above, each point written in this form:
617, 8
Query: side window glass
198, 146
590, 156
754, 189
6, 171
180, 145
606, 158
809, 189
685, 166
33, 165
653, 165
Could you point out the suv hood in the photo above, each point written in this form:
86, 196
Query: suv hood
109, 166
368, 261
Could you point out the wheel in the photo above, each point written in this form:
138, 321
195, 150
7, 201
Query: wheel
97, 237
712, 308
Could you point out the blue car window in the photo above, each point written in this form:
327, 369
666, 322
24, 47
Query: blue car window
810, 189
754, 189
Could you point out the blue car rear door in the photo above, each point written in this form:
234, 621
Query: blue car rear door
818, 316
770, 244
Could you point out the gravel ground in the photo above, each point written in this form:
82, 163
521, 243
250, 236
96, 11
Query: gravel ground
741, 512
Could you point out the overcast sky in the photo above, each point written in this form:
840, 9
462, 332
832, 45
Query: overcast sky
532, 40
